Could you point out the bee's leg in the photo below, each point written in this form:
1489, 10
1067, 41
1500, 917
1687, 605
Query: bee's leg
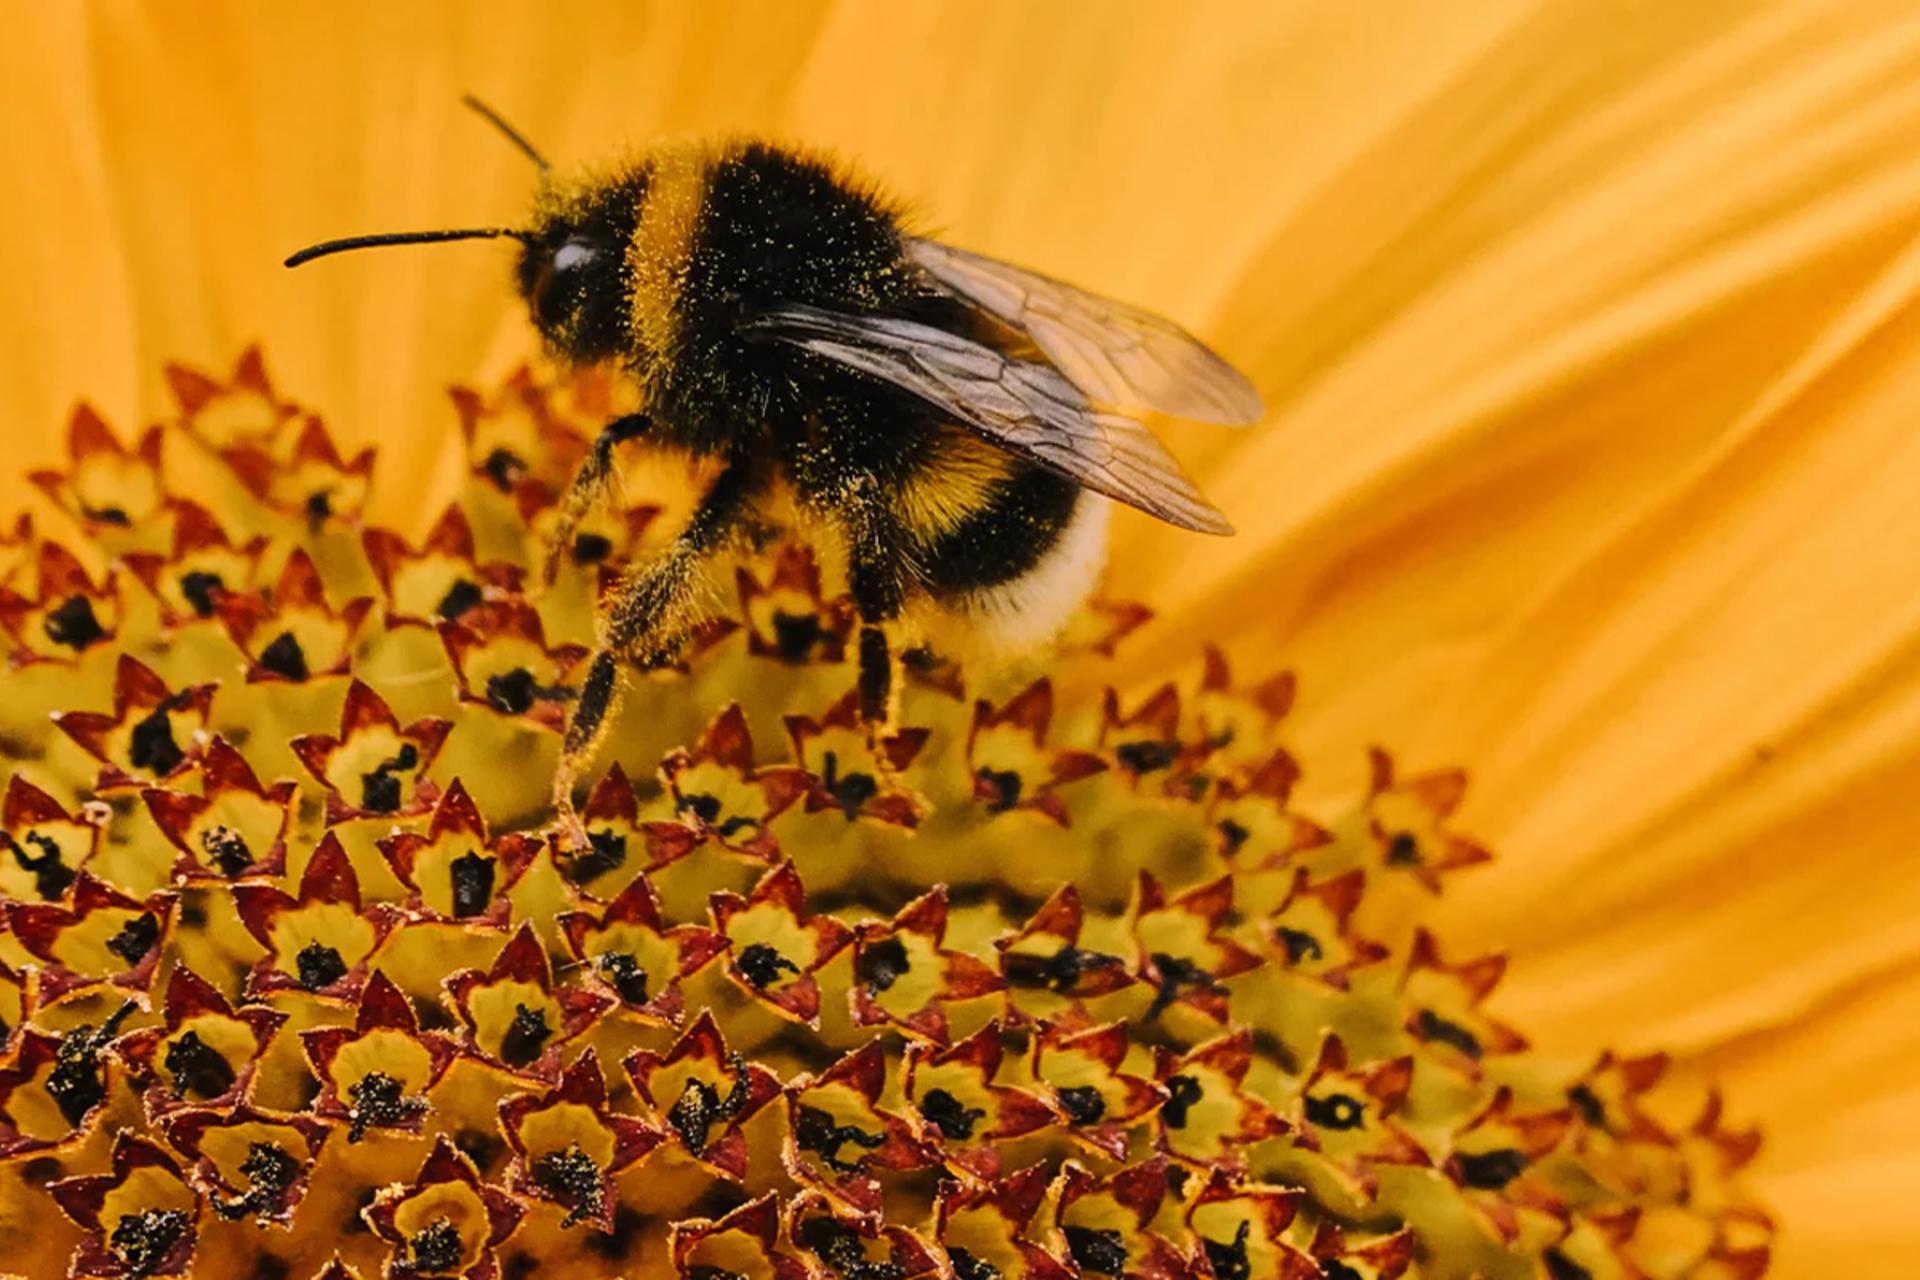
877, 575
878, 682
589, 486
650, 613
599, 693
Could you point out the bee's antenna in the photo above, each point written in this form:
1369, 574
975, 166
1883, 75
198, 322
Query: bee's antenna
326, 247
514, 136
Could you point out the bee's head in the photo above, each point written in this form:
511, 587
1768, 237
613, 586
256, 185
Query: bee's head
573, 269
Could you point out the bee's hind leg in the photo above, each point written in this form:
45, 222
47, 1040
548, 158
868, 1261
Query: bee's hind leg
877, 574
589, 486
879, 680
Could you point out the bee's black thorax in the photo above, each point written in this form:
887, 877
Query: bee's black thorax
771, 228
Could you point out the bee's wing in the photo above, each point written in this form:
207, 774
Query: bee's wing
1119, 355
1028, 408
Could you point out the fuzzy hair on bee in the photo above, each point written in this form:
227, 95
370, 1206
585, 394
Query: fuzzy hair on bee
959, 424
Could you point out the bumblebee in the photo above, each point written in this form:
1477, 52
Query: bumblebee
960, 424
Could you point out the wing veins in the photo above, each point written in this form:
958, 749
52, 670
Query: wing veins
1029, 408
1117, 354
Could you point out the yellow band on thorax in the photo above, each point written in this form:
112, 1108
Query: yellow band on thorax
663, 240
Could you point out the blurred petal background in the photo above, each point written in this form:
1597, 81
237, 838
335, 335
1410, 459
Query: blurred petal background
1588, 331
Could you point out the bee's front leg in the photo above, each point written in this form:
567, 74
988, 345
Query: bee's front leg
651, 611
589, 486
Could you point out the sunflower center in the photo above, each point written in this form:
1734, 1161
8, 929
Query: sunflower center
949, 1115
1492, 1170
816, 1131
526, 1035
197, 1068
142, 1241
226, 849
626, 975
135, 939
319, 965
883, 964
437, 1247
74, 1084
1082, 1103
378, 1099
269, 1171
1183, 1091
1230, 1261
763, 965
571, 1177
380, 789
197, 587
1336, 1111
51, 875
1097, 1249
73, 624
285, 658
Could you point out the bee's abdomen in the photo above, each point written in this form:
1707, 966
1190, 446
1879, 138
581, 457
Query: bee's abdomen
1019, 566
1008, 531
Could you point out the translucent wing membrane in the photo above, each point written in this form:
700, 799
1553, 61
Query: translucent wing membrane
1029, 408
1119, 355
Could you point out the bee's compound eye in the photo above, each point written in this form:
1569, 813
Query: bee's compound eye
573, 255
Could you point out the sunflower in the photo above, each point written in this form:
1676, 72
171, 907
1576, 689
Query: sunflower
1581, 330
